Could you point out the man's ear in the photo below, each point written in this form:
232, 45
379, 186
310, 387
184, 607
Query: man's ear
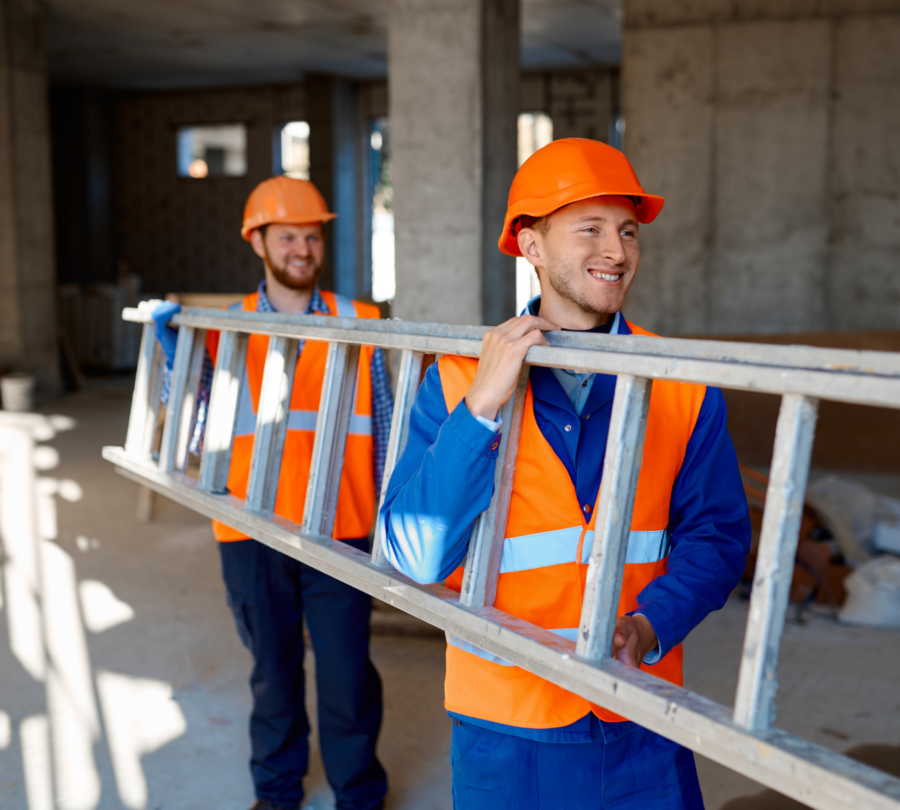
256, 242
531, 246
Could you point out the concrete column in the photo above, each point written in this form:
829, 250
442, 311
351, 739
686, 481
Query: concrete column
334, 154
27, 268
768, 128
454, 97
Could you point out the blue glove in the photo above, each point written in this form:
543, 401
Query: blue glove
165, 334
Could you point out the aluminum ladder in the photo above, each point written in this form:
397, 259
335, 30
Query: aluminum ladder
741, 738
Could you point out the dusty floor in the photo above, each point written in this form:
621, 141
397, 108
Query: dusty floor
130, 690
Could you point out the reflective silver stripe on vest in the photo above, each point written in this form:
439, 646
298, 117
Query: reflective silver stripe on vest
567, 632
530, 551
345, 308
643, 547
297, 420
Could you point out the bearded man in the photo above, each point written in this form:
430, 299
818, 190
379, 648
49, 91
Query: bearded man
270, 594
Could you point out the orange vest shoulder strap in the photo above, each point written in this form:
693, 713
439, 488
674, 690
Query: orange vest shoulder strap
345, 307
636, 330
457, 375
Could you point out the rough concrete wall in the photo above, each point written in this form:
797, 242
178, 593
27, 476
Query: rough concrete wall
767, 126
436, 119
27, 267
580, 102
181, 234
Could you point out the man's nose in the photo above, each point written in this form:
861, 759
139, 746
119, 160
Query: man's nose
613, 249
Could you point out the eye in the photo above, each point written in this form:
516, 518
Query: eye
628, 233
591, 229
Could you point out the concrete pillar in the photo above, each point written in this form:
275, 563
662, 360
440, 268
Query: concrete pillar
334, 152
27, 271
454, 96
767, 127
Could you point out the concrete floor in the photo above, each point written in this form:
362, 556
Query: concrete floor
144, 700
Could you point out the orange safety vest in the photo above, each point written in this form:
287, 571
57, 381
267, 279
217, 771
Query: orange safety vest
356, 500
546, 553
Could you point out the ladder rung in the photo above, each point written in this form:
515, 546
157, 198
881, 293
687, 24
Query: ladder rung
140, 400
407, 386
332, 425
228, 379
177, 391
754, 705
271, 423
189, 406
479, 586
612, 516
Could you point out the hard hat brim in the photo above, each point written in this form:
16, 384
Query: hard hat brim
252, 224
647, 210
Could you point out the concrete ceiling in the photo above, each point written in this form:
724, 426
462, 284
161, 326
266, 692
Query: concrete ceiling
178, 43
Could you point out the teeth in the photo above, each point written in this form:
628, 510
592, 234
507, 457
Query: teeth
606, 276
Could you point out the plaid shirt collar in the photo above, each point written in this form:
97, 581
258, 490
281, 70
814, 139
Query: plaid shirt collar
316, 305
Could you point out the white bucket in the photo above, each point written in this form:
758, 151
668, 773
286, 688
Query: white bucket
17, 391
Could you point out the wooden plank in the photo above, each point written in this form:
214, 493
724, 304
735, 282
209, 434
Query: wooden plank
407, 386
479, 585
223, 403
332, 425
754, 705
612, 524
272, 423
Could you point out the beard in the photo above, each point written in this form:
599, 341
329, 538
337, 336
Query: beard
560, 275
283, 275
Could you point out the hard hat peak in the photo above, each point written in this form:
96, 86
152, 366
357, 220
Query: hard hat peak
286, 201
567, 171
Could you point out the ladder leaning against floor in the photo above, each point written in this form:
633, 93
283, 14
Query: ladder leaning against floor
741, 738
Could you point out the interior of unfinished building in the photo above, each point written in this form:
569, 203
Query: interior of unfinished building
132, 134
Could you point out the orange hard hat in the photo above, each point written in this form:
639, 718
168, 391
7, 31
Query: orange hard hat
564, 172
284, 200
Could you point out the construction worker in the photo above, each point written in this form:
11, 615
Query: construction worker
270, 594
519, 741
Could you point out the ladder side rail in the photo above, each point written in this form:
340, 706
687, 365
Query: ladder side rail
407, 386
482, 563
810, 773
754, 705
612, 517
228, 379
140, 399
191, 398
332, 426
466, 340
272, 423
177, 395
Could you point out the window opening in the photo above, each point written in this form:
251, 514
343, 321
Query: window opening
535, 131
383, 277
293, 140
212, 151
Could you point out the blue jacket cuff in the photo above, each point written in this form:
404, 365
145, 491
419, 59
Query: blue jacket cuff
474, 435
657, 622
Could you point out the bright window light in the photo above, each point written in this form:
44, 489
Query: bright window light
295, 149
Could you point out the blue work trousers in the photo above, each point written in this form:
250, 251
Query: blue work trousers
269, 594
632, 769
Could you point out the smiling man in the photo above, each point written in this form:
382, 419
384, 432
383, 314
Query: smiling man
270, 594
520, 742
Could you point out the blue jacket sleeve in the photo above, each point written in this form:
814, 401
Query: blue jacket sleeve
443, 480
710, 528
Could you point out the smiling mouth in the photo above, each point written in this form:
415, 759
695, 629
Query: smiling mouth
609, 277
